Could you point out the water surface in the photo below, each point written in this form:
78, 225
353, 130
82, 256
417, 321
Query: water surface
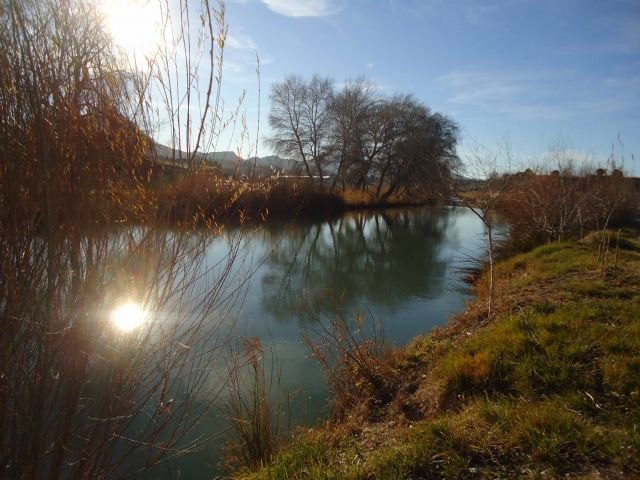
403, 267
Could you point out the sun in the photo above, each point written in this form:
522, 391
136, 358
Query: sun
128, 316
135, 26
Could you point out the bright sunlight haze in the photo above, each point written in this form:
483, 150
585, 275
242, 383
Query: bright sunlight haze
128, 317
136, 25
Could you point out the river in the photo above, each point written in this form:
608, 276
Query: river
403, 267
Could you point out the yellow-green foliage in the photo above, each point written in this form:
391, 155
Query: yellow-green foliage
550, 387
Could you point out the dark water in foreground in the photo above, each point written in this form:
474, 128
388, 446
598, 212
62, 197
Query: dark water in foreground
402, 266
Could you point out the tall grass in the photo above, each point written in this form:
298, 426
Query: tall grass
357, 361
253, 407
211, 198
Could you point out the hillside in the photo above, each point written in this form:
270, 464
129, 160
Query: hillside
228, 161
548, 388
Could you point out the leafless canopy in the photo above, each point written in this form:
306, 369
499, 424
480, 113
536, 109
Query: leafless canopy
361, 138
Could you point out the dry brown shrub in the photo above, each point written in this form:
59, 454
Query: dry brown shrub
359, 365
560, 205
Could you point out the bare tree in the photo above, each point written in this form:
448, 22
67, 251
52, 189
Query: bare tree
397, 140
300, 122
490, 174
421, 147
349, 111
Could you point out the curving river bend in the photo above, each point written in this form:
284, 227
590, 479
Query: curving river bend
402, 266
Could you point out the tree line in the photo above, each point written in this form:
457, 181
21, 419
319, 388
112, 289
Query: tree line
356, 137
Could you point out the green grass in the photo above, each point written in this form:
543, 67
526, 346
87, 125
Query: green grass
306, 457
550, 388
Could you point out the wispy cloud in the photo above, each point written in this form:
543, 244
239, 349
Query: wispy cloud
241, 60
479, 88
414, 7
538, 95
304, 8
235, 68
240, 41
498, 91
241, 67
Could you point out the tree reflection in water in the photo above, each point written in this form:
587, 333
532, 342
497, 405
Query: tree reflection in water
382, 258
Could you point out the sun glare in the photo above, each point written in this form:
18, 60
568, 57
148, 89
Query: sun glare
135, 25
128, 317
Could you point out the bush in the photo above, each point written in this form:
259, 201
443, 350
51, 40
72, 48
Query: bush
202, 197
359, 366
548, 207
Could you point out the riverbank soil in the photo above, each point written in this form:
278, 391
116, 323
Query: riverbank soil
549, 387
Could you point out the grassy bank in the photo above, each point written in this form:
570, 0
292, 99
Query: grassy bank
547, 388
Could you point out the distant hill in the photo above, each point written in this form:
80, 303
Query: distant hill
227, 161
274, 162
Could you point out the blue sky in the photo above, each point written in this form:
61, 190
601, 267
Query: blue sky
537, 74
